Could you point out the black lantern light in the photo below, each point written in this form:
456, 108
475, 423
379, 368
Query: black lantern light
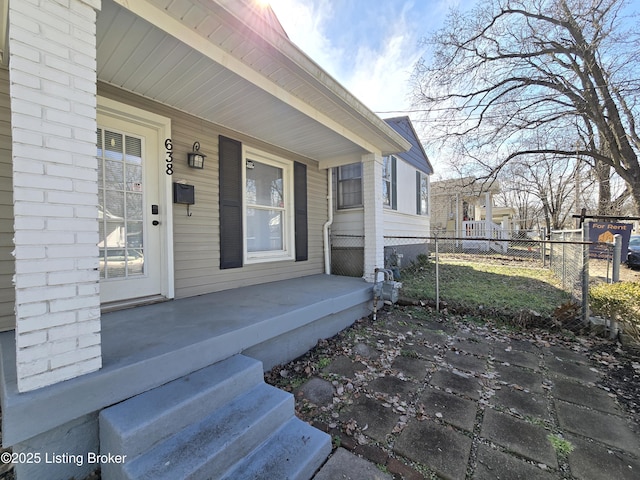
195, 158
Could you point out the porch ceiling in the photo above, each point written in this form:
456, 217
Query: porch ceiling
233, 68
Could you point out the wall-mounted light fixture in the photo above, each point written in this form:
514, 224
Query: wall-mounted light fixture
195, 158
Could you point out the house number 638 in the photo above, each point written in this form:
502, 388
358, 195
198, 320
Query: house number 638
168, 145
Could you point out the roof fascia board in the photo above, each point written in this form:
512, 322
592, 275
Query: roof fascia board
419, 142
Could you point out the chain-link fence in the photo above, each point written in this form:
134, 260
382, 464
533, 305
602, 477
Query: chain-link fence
516, 263
347, 251
347, 255
568, 257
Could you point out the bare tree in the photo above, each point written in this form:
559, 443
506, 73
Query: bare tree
513, 193
510, 72
552, 181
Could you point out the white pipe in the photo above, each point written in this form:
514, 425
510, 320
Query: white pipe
325, 228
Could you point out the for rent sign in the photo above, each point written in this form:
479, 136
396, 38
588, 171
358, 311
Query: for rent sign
603, 232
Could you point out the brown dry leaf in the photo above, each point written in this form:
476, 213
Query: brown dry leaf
350, 427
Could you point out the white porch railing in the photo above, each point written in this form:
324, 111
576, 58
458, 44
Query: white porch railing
478, 237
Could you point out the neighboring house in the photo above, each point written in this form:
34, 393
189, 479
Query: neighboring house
405, 200
103, 103
463, 208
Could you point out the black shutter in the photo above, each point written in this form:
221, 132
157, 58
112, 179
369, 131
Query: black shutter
231, 235
394, 184
300, 206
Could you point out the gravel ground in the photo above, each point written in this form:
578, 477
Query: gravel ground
601, 270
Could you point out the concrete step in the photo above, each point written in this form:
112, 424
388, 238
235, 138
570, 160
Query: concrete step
137, 424
294, 452
220, 422
210, 447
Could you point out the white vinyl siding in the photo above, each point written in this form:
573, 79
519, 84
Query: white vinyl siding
404, 222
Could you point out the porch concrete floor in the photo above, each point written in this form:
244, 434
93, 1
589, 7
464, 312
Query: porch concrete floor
147, 346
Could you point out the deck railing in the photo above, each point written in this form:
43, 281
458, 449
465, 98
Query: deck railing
476, 235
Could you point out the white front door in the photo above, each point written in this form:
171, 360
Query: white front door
130, 227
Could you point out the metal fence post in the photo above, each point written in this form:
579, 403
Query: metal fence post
437, 278
564, 262
585, 274
617, 255
551, 251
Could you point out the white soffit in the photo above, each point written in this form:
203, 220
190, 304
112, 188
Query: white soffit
233, 78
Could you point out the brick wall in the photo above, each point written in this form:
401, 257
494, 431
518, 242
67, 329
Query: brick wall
53, 114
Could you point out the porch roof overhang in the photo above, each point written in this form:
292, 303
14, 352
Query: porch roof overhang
227, 62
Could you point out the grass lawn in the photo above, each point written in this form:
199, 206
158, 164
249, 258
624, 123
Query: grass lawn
473, 284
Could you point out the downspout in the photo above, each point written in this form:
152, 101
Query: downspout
327, 225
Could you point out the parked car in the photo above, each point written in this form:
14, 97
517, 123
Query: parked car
633, 257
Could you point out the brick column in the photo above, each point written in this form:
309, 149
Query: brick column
53, 124
373, 215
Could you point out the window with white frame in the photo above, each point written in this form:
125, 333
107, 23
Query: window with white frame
389, 181
268, 208
349, 179
423, 194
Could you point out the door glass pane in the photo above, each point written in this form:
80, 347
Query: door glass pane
134, 206
114, 235
134, 235
135, 262
114, 175
102, 249
100, 155
134, 178
134, 150
116, 263
121, 205
114, 207
113, 145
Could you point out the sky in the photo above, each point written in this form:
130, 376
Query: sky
368, 46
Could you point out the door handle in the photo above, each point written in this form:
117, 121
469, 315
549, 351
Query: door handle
155, 223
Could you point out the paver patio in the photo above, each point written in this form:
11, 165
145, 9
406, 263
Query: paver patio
471, 403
